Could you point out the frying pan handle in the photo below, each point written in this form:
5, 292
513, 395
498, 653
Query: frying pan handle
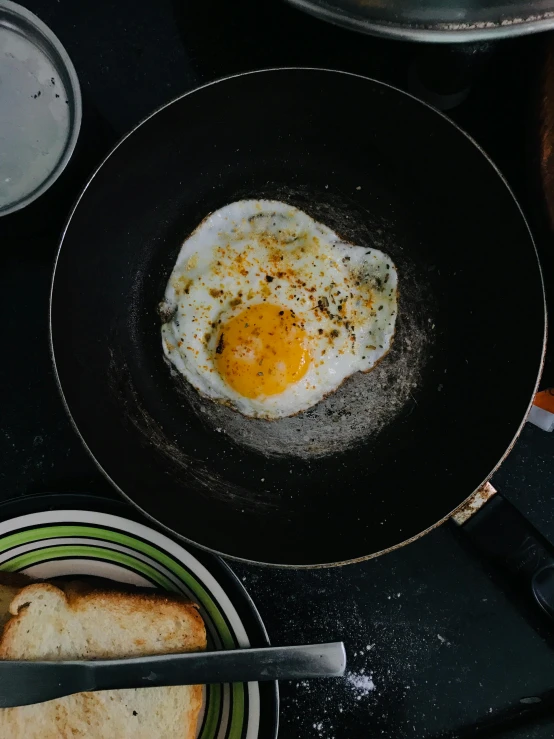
500, 532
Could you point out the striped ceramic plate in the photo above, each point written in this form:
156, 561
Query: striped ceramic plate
79, 542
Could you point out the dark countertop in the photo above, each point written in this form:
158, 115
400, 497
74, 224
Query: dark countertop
453, 649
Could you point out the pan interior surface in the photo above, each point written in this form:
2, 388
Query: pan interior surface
382, 170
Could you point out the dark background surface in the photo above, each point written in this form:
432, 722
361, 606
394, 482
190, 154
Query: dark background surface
455, 651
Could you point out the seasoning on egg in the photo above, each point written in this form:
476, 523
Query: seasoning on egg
254, 308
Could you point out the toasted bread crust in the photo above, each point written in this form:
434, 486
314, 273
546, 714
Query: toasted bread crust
192, 716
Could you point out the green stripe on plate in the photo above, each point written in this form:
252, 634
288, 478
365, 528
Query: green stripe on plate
213, 703
72, 550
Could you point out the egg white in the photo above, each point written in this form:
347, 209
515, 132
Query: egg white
224, 267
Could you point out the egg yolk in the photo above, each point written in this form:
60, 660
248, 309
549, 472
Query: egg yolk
262, 350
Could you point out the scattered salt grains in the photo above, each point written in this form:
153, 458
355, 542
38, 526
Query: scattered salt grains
323, 730
385, 653
361, 684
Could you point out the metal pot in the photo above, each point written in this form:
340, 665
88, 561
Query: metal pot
435, 20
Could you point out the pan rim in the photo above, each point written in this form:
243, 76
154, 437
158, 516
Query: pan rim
172, 531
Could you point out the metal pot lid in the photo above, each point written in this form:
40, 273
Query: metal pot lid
40, 107
436, 20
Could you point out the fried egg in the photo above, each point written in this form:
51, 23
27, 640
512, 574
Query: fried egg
269, 311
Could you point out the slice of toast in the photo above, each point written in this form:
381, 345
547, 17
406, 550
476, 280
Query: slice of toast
83, 622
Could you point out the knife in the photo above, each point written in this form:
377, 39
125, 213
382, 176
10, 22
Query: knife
24, 681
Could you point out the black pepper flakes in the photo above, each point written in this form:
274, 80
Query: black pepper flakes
220, 345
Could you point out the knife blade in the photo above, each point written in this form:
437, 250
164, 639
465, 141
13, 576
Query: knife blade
23, 682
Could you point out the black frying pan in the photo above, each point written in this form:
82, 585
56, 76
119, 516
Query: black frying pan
382, 169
